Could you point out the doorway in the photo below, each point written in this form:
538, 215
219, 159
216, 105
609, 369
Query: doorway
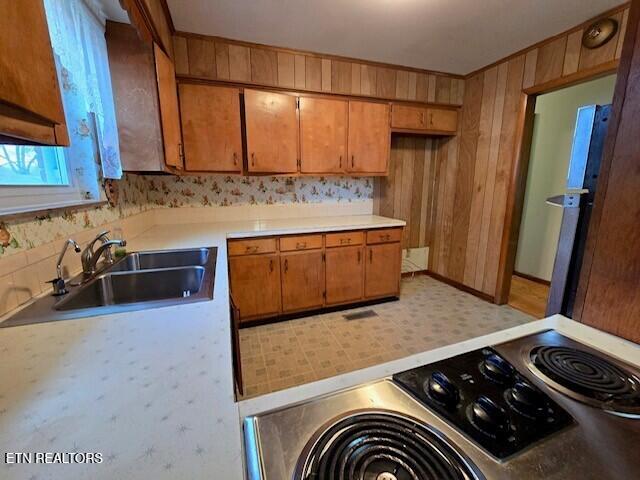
553, 128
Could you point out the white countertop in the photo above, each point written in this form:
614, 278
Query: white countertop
153, 390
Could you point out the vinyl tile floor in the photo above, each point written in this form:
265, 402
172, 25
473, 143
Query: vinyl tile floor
429, 314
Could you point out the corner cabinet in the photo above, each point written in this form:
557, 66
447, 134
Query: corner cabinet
31, 108
425, 120
276, 276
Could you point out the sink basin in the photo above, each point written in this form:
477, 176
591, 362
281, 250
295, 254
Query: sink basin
115, 288
139, 281
161, 259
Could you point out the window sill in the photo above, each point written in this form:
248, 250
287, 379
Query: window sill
26, 212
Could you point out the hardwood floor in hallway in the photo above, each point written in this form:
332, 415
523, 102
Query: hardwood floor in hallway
528, 296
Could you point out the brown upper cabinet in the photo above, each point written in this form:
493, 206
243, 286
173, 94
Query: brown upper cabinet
210, 117
369, 138
437, 121
30, 103
146, 102
323, 135
272, 132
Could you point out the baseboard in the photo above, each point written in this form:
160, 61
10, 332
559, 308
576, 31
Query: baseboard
460, 286
309, 313
532, 278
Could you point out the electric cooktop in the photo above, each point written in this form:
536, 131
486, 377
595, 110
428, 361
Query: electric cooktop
540, 406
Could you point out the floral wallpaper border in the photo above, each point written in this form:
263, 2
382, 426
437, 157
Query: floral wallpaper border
138, 193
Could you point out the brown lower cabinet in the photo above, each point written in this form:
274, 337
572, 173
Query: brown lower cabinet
302, 280
344, 272
274, 276
255, 283
382, 270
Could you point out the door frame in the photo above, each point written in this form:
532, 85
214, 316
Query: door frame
520, 170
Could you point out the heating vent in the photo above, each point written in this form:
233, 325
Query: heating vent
360, 315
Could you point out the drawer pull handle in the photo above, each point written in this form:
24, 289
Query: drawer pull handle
344, 241
385, 238
301, 245
252, 248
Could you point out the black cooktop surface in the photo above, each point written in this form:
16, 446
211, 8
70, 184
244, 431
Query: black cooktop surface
486, 398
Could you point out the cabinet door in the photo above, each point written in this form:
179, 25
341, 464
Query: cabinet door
410, 118
344, 272
442, 120
135, 94
255, 285
323, 135
369, 137
272, 132
302, 280
382, 270
30, 101
169, 112
210, 118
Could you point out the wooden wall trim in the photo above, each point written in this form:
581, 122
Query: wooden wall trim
460, 286
577, 28
310, 53
204, 57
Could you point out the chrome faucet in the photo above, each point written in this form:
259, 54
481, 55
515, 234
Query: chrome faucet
90, 258
59, 287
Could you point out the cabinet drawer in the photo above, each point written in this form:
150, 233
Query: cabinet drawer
252, 246
384, 235
300, 242
343, 239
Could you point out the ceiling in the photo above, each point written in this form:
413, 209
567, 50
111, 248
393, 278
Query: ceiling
455, 36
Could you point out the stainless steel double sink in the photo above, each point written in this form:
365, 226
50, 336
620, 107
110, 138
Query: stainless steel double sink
140, 280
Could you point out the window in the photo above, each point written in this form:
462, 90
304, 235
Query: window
28, 165
37, 178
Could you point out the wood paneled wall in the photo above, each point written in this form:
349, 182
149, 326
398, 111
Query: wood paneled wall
214, 58
608, 296
407, 193
474, 171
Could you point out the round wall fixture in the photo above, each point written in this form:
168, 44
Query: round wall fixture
599, 33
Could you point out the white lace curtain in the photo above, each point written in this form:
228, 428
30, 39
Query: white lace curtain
77, 36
